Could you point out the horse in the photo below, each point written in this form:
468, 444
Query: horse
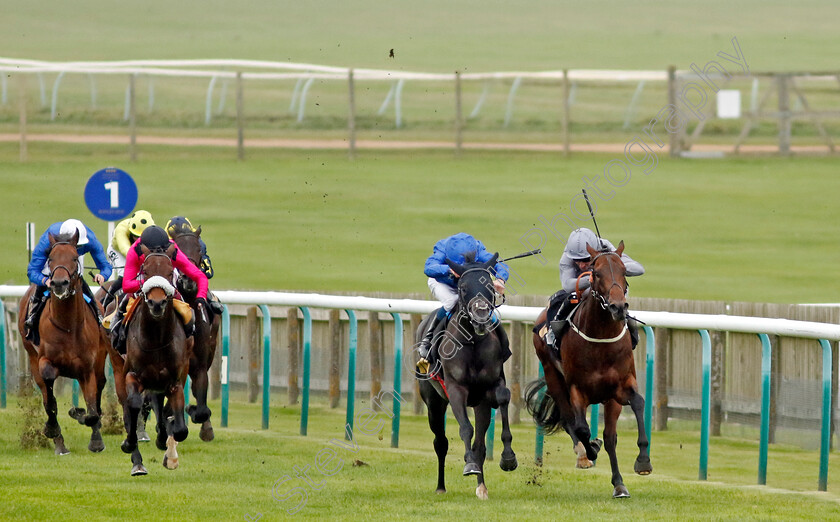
472, 354
206, 334
156, 361
595, 366
73, 343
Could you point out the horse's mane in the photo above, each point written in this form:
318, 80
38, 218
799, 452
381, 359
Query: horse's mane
63, 238
469, 257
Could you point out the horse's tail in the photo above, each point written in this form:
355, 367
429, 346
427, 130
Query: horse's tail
542, 407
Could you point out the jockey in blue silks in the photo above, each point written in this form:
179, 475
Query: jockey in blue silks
443, 282
38, 270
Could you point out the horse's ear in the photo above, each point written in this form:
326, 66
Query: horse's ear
172, 251
592, 251
492, 262
53, 239
620, 249
144, 250
75, 239
198, 231
458, 269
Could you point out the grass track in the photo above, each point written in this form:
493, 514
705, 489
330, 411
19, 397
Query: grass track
234, 475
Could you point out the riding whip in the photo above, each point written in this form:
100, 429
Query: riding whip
592, 214
524, 254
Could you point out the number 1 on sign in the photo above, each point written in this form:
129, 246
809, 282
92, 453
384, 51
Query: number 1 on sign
114, 188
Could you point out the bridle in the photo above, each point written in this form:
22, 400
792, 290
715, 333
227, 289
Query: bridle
196, 262
599, 297
72, 274
477, 301
143, 267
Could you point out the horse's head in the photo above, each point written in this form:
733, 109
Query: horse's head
609, 285
188, 243
476, 295
63, 263
157, 270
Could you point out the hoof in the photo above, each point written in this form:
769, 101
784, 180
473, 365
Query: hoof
170, 463
508, 464
60, 448
127, 446
181, 435
91, 420
584, 463
77, 414
621, 492
142, 436
471, 468
206, 433
138, 471
440, 491
642, 468
198, 415
96, 446
62, 451
481, 492
52, 431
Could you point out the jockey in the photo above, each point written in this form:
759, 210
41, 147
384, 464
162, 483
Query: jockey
443, 283
575, 261
157, 241
180, 224
39, 271
125, 234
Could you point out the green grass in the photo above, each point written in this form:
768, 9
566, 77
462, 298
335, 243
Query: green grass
235, 474
735, 229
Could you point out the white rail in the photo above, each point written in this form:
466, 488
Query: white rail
727, 323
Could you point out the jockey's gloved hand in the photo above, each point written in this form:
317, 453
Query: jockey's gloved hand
201, 301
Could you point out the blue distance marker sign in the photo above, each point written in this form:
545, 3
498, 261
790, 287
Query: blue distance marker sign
111, 194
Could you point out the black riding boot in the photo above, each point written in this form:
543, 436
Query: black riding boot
426, 342
36, 305
118, 328
111, 293
561, 320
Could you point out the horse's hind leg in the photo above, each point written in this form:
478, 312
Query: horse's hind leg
162, 426
458, 401
479, 447
508, 461
131, 410
48, 374
642, 465
612, 410
176, 402
437, 416
580, 426
199, 412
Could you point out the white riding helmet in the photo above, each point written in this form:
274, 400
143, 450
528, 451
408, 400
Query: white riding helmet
71, 226
578, 239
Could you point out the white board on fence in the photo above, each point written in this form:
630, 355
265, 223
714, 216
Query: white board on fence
729, 104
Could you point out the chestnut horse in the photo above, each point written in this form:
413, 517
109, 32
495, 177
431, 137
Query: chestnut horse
595, 366
157, 360
472, 353
73, 343
206, 333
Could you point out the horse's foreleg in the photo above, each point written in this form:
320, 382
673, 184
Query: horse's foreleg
580, 426
642, 465
90, 393
508, 461
612, 410
48, 374
479, 448
436, 410
176, 402
137, 468
131, 409
162, 426
458, 401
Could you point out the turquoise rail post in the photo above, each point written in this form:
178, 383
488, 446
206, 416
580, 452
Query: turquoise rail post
826, 415
491, 434
765, 408
351, 374
187, 386
307, 347
224, 371
593, 421
266, 386
2, 355
75, 393
706, 399
398, 347
650, 355
538, 446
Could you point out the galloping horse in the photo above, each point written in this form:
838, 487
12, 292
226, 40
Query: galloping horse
157, 360
73, 343
472, 353
595, 365
206, 333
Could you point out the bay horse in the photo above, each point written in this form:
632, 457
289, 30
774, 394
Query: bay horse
205, 336
595, 366
73, 343
472, 350
156, 361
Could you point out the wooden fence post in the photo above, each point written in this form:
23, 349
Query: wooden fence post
375, 337
663, 356
718, 378
775, 382
240, 118
459, 121
674, 137
294, 353
784, 114
132, 116
253, 353
517, 346
24, 153
566, 108
351, 119
335, 358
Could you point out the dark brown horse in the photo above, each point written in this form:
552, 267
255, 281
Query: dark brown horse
472, 352
73, 343
595, 366
206, 333
156, 362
